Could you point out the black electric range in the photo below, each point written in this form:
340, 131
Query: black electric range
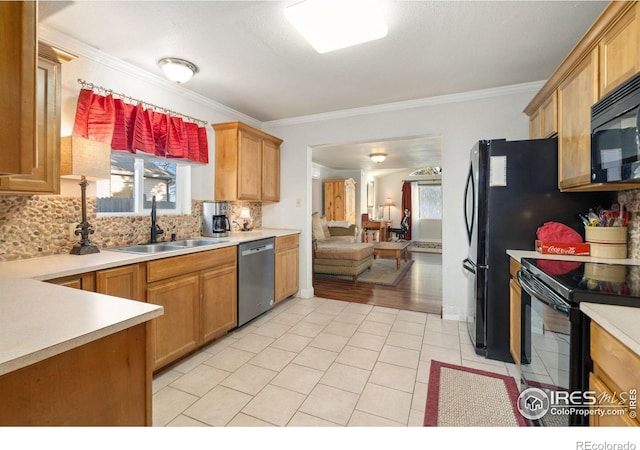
576, 281
555, 333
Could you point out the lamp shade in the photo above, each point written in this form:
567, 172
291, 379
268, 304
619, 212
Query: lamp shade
389, 202
378, 157
82, 157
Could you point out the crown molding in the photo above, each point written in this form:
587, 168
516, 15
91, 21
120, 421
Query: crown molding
531, 87
80, 49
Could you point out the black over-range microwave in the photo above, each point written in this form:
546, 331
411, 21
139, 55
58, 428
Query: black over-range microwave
615, 138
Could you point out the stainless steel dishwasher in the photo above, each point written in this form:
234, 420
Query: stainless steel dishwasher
255, 279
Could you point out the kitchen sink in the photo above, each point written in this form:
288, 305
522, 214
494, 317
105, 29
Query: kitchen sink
168, 246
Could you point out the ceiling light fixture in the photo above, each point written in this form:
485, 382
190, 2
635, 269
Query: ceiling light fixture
378, 157
178, 70
334, 24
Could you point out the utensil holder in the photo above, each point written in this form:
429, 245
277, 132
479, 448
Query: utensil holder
607, 242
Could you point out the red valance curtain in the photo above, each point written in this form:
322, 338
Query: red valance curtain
406, 204
138, 129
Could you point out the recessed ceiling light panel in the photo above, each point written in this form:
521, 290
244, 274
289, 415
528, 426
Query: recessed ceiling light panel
178, 70
334, 24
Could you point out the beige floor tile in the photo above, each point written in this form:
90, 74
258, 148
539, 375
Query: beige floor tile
300, 309
328, 403
442, 340
363, 419
313, 302
168, 403
184, 421
502, 370
439, 325
395, 377
423, 371
328, 341
229, 359
200, 380
316, 358
350, 317
384, 309
164, 379
416, 418
419, 400
404, 340
377, 316
358, 308
306, 329
243, 420
412, 316
341, 328
274, 405
291, 342
433, 352
377, 328
402, 326
273, 358
218, 345
400, 356
305, 420
347, 378
298, 378
358, 357
272, 329
241, 332
218, 406
253, 343
190, 362
333, 307
249, 379
367, 341
318, 318
385, 402
286, 318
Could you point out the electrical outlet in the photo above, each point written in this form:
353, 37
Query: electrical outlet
72, 232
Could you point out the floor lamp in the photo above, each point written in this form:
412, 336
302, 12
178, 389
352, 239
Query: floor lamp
85, 160
389, 203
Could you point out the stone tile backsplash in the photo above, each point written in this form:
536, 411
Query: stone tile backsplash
39, 225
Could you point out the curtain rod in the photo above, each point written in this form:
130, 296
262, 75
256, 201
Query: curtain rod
87, 85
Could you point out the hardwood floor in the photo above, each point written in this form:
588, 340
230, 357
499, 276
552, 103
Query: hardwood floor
420, 289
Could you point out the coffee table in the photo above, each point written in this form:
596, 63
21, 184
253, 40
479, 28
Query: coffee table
395, 250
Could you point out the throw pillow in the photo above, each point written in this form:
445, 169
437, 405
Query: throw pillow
317, 232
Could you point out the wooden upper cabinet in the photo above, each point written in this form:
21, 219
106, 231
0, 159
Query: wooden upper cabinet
620, 51
576, 94
247, 163
45, 176
543, 123
18, 53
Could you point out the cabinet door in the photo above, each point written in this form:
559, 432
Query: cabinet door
18, 47
270, 171
45, 177
575, 96
515, 317
620, 51
334, 200
219, 302
177, 332
83, 281
120, 282
286, 273
249, 166
535, 125
549, 119
613, 419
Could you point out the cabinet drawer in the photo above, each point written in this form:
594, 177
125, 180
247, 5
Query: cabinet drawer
614, 362
608, 418
287, 242
179, 265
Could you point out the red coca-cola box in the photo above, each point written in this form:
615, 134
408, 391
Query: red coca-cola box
561, 248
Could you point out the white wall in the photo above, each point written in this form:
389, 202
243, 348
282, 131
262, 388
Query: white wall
460, 124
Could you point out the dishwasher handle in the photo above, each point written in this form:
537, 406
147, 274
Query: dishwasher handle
539, 290
254, 250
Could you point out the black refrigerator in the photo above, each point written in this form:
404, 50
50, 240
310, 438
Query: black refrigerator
511, 190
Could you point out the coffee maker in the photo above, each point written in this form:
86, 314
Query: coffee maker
215, 222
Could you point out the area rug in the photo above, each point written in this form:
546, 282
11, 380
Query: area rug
383, 271
425, 247
464, 397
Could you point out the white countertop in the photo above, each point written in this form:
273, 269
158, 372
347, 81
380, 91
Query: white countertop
39, 320
55, 266
519, 254
621, 321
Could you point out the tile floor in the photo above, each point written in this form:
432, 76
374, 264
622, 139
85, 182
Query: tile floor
315, 362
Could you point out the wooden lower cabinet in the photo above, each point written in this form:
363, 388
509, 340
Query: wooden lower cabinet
287, 278
121, 281
219, 297
515, 313
177, 331
106, 382
84, 281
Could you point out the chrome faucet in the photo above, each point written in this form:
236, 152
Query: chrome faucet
155, 229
